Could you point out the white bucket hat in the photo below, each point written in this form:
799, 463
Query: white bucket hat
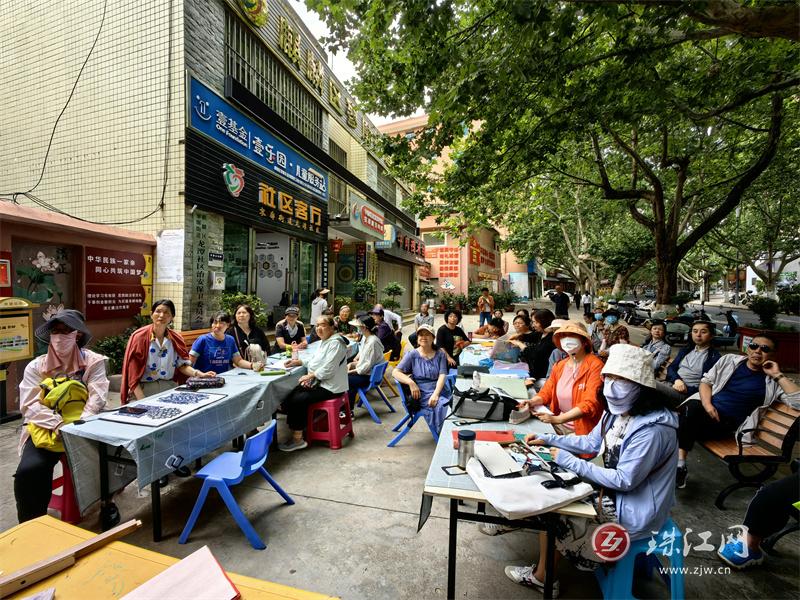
630, 362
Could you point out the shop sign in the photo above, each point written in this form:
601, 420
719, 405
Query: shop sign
324, 269
389, 237
361, 261
411, 243
216, 259
365, 216
256, 11
112, 302
115, 266
474, 252
5, 273
216, 118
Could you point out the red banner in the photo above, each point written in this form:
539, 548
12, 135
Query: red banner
114, 266
111, 301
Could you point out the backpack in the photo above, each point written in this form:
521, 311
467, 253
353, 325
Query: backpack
65, 396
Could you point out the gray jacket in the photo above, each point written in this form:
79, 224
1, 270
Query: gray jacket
719, 375
661, 351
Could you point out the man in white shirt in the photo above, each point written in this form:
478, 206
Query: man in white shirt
586, 300
392, 318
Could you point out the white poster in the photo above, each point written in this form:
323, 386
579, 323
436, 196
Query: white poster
169, 256
272, 262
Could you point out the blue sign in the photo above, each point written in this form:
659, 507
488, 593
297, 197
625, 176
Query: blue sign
219, 120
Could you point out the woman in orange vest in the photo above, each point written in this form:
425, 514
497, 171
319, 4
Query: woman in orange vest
571, 390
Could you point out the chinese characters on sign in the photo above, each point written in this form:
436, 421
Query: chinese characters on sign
113, 266
216, 118
288, 210
200, 227
361, 261
474, 252
105, 301
114, 281
448, 260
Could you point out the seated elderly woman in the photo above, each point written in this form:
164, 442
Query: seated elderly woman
215, 352
290, 330
639, 443
66, 336
494, 329
326, 378
424, 371
343, 324
370, 354
155, 357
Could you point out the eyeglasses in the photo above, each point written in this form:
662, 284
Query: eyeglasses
762, 347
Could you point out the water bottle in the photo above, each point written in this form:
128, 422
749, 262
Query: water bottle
295, 352
476, 380
466, 447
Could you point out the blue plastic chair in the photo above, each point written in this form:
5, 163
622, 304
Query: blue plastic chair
229, 469
375, 380
617, 581
409, 419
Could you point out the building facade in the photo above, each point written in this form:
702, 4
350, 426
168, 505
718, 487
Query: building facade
219, 131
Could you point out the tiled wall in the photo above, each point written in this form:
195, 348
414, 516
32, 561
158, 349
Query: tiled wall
107, 160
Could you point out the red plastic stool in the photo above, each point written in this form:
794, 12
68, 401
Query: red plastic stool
325, 424
65, 503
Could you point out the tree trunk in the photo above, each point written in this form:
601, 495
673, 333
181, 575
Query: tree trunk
667, 281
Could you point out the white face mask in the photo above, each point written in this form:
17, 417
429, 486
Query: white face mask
620, 395
570, 344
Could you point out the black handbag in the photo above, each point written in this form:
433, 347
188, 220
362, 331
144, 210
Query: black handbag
469, 370
485, 405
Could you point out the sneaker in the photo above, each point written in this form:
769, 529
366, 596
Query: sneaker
291, 445
681, 475
524, 576
494, 529
732, 552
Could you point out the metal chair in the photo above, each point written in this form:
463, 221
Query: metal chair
408, 420
375, 380
229, 469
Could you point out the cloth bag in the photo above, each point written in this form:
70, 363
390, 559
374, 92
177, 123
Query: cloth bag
521, 497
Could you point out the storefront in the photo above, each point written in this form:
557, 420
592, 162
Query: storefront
259, 211
400, 256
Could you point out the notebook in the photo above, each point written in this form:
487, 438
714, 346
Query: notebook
198, 576
510, 384
496, 460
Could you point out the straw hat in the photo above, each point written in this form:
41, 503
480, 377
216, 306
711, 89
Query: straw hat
632, 363
556, 324
572, 328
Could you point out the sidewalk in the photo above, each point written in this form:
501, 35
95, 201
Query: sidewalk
353, 533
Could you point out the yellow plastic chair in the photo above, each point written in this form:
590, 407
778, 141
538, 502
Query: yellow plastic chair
392, 364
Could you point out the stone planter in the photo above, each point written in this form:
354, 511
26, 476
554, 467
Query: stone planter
788, 354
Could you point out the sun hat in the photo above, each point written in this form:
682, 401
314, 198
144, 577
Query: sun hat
426, 327
324, 291
632, 363
556, 324
291, 310
376, 311
73, 319
571, 328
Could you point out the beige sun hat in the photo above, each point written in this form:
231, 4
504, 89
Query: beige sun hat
571, 328
556, 324
632, 363
426, 327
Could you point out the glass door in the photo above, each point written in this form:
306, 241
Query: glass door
301, 282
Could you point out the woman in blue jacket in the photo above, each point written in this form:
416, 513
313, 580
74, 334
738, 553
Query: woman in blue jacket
640, 452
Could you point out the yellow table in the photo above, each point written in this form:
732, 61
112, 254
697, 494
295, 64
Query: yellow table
111, 571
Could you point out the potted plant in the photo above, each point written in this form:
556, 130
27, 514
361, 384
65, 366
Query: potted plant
392, 289
447, 301
364, 292
462, 303
428, 292
767, 309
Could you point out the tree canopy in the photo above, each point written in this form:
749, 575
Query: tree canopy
669, 110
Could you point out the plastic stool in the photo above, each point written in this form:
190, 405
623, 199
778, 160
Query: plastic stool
617, 581
65, 503
329, 426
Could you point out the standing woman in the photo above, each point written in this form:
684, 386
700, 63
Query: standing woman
319, 304
325, 379
215, 352
369, 355
155, 357
246, 333
450, 337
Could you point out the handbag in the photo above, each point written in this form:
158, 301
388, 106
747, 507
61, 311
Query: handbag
469, 370
485, 405
66, 397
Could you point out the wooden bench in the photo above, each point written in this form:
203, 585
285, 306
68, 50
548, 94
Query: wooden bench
775, 437
190, 335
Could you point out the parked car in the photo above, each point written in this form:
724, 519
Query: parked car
649, 294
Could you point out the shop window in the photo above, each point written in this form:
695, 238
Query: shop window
236, 248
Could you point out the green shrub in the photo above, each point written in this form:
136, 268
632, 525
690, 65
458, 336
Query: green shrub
766, 309
340, 301
448, 300
681, 298
789, 299
390, 303
427, 291
392, 289
231, 300
114, 346
364, 292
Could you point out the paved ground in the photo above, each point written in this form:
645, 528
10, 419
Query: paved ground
353, 533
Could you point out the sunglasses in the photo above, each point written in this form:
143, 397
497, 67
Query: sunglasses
762, 347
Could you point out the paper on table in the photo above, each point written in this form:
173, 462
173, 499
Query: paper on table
542, 409
198, 576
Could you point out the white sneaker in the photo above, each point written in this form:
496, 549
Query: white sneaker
494, 529
524, 576
291, 445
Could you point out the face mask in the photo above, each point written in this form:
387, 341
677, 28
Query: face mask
611, 320
63, 343
570, 344
620, 395
598, 316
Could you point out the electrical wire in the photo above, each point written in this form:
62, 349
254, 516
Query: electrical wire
167, 126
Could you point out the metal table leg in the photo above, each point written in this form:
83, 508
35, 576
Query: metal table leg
155, 506
550, 558
451, 553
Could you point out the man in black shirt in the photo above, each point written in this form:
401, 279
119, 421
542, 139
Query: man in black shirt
561, 300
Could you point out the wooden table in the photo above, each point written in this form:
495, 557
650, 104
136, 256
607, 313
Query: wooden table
110, 572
